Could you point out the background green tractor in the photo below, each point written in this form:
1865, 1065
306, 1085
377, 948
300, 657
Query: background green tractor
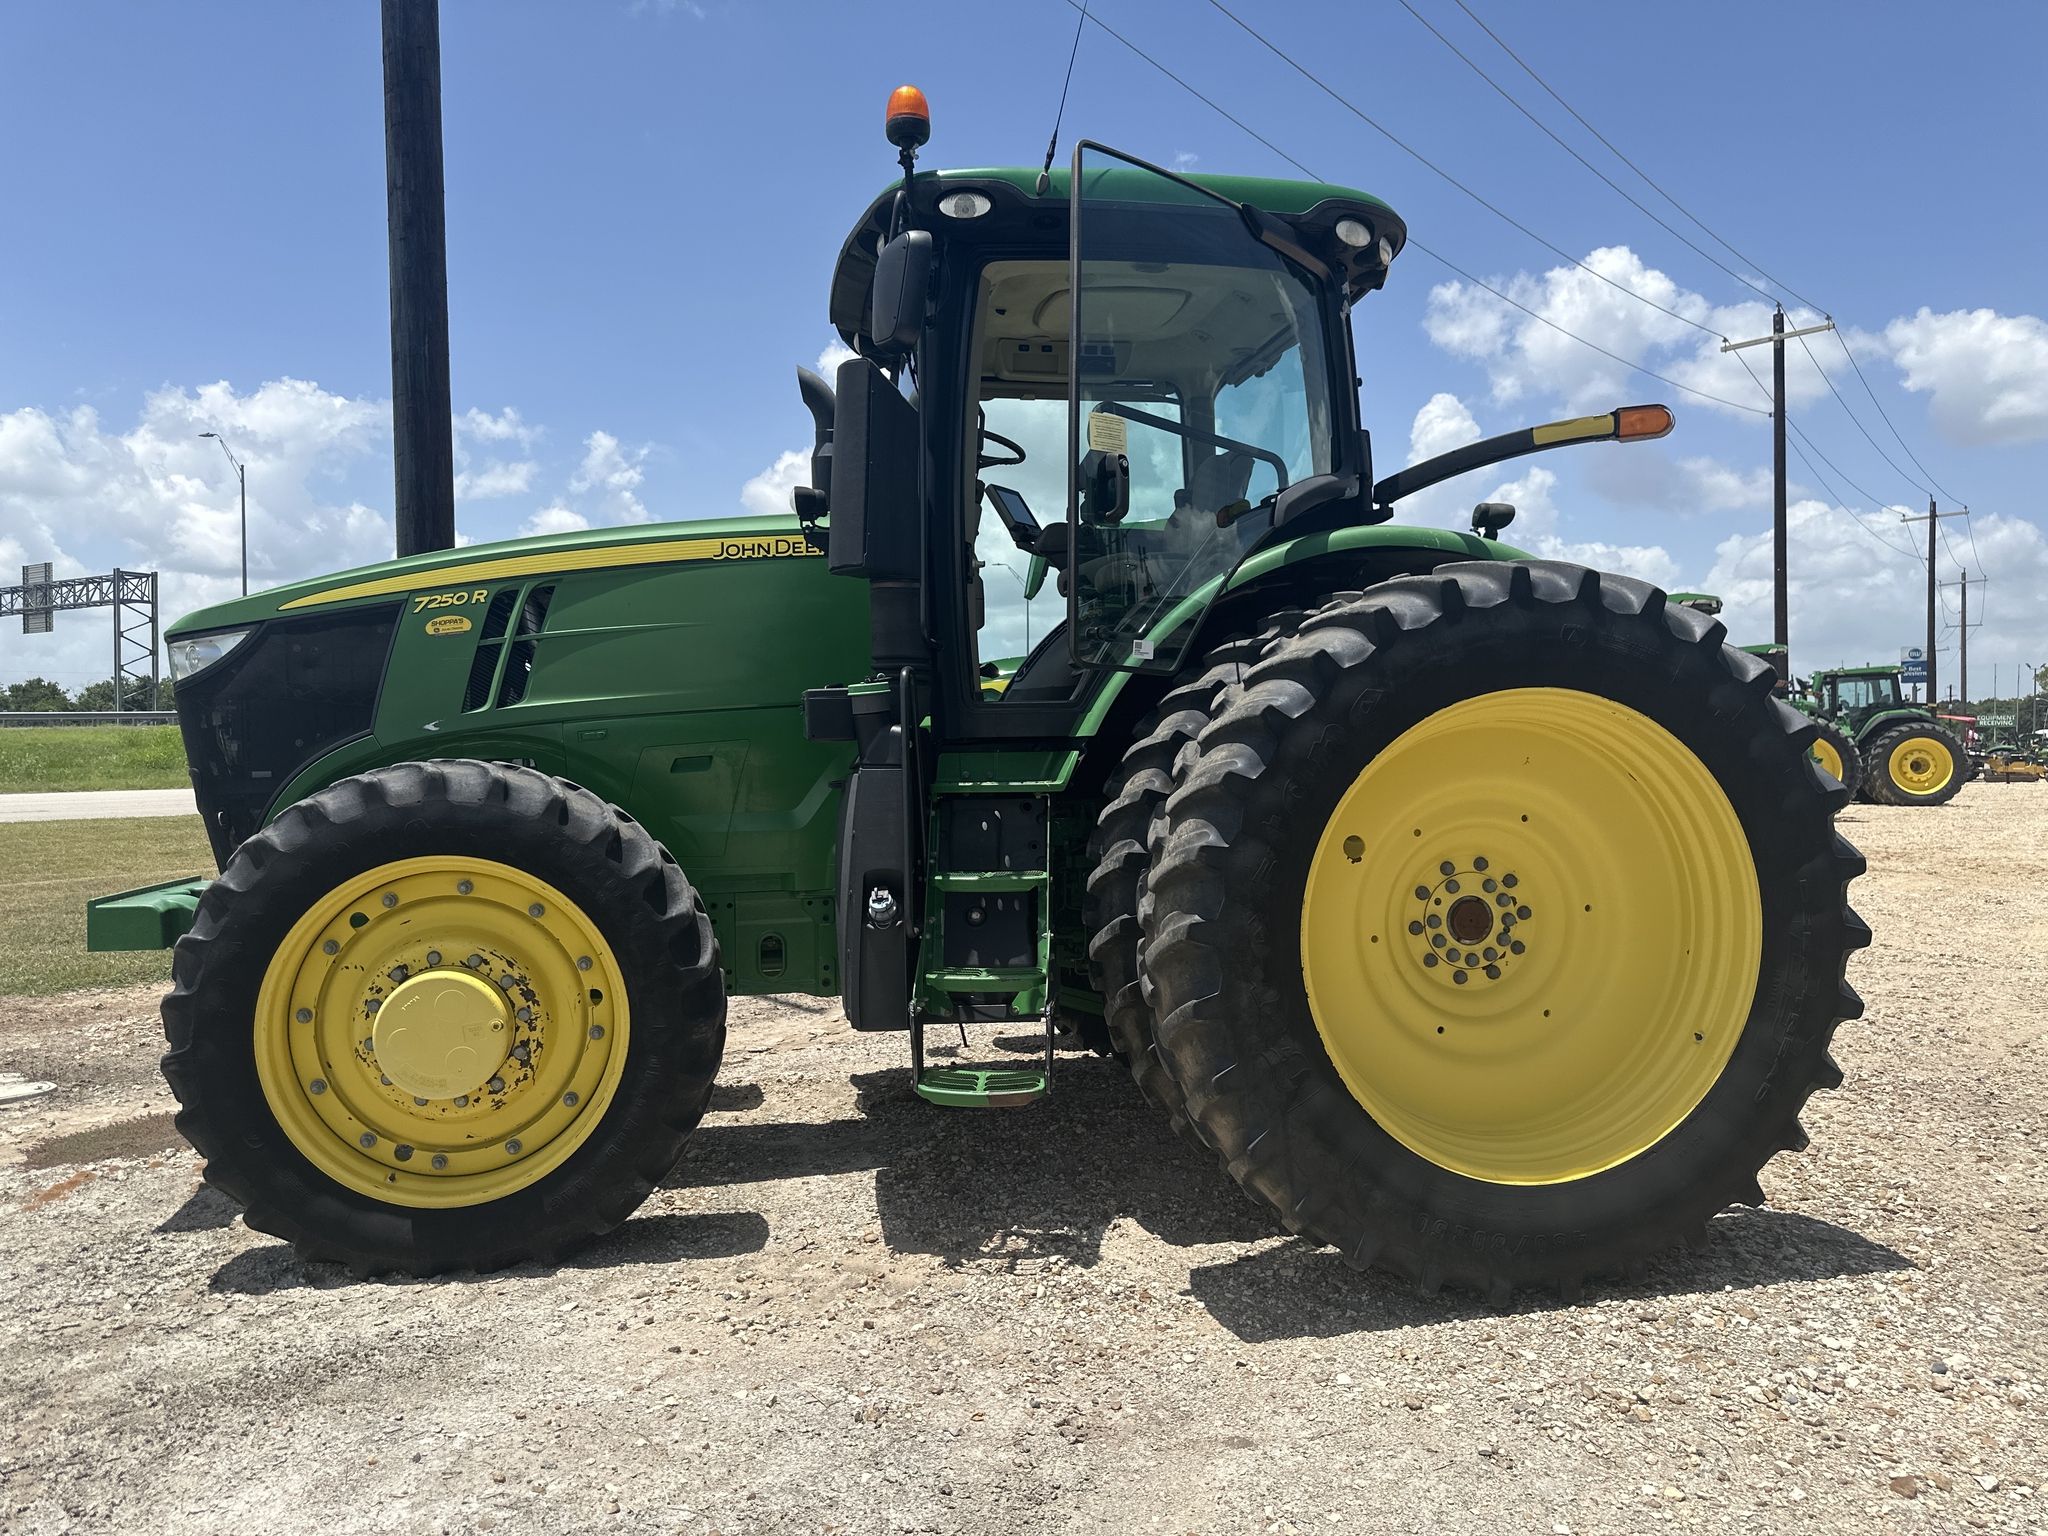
1907, 756
1483, 915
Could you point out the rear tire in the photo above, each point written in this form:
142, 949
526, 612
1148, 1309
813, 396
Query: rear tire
1233, 953
483, 887
1915, 763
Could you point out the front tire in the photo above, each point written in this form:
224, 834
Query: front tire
1838, 757
445, 1015
1376, 1051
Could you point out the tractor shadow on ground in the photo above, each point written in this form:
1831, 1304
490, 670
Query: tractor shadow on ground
660, 1238
1011, 1189
1301, 1290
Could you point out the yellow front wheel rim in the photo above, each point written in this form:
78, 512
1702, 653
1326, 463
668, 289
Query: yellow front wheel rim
1922, 765
441, 1031
1530, 935
1825, 754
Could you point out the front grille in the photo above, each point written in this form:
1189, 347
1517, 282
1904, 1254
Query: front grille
292, 692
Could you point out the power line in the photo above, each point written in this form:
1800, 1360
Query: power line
1406, 148
1242, 126
1509, 97
1923, 490
1846, 352
1699, 223
1833, 495
1624, 159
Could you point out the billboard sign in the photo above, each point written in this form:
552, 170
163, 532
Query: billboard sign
1912, 664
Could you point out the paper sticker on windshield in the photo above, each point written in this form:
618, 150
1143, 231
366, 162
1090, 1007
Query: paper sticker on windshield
1107, 433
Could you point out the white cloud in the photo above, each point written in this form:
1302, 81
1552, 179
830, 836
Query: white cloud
1986, 374
614, 474
1852, 600
553, 518
829, 360
497, 478
507, 426
1537, 519
1528, 360
1444, 422
159, 497
768, 492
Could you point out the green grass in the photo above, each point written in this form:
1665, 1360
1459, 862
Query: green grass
54, 867
59, 757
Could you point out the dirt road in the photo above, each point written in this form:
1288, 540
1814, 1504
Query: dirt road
852, 1312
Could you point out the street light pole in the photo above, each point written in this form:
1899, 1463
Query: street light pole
242, 479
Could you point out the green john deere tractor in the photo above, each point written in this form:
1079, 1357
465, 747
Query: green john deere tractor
1484, 915
1892, 750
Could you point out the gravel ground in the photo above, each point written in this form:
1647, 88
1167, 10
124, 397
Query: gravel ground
851, 1312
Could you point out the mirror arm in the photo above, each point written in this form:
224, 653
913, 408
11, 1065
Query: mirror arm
1630, 423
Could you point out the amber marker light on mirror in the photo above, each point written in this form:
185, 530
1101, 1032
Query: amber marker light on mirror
1642, 421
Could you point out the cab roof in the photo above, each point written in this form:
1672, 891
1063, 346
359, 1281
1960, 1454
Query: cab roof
1313, 207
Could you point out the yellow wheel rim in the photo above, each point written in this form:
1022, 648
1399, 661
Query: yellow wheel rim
441, 1031
1922, 765
1825, 754
1530, 935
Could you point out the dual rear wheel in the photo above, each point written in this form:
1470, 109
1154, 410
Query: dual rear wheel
1493, 928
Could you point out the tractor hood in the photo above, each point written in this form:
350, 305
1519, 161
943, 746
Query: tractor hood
711, 540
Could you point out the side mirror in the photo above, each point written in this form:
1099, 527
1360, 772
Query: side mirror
875, 501
903, 276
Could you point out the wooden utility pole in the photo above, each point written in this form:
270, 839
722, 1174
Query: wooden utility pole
1781, 609
1933, 521
1963, 628
423, 446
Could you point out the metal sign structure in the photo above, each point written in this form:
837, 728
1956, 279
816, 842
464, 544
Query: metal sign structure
138, 675
1912, 664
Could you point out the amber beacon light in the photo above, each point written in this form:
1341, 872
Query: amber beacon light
909, 119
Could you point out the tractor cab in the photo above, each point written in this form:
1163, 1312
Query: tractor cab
1854, 695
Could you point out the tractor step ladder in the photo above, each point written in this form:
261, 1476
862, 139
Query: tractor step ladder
956, 995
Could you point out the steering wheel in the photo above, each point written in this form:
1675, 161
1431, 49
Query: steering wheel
983, 461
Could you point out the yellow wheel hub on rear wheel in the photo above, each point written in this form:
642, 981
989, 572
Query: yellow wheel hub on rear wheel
1825, 754
1921, 765
441, 1031
1530, 935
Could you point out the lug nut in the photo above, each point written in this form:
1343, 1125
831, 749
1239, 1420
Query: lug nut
397, 973
433, 957
569, 1098
367, 1140
496, 1085
402, 1152
536, 910
419, 1103
318, 1085
390, 900
1479, 864
304, 1015
597, 1031
330, 948
583, 962
464, 887
462, 1101
438, 1162
515, 1146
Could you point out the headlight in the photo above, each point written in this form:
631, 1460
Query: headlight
194, 653
964, 205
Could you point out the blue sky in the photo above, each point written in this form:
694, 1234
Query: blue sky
645, 200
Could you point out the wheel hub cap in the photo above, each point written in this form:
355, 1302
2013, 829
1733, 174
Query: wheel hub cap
1530, 935
442, 1034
